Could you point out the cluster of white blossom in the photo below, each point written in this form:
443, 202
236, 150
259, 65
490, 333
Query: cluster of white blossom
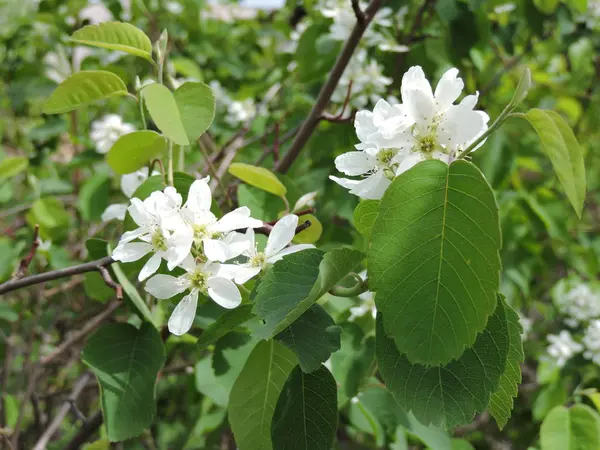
107, 130
395, 137
236, 111
591, 18
189, 236
562, 347
580, 304
129, 184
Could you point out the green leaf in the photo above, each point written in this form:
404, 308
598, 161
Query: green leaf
306, 413
226, 322
262, 204
83, 88
131, 292
578, 5
196, 103
522, 89
255, 393
293, 284
312, 234
561, 146
259, 177
434, 261
575, 428
164, 111
351, 364
118, 36
501, 402
546, 6
313, 338
365, 215
549, 397
447, 395
9, 167
52, 217
93, 197
126, 362
133, 150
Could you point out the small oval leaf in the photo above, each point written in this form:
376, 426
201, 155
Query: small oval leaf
196, 103
84, 88
164, 111
118, 36
133, 150
259, 177
312, 233
9, 167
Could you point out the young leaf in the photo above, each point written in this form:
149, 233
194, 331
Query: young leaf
294, 284
306, 413
434, 261
132, 151
313, 338
165, 113
365, 215
255, 393
501, 401
226, 322
258, 176
575, 428
118, 36
9, 167
196, 103
83, 88
521, 90
126, 362
451, 394
561, 146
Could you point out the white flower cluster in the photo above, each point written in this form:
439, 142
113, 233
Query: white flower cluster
393, 138
236, 111
190, 237
562, 347
580, 304
107, 130
129, 184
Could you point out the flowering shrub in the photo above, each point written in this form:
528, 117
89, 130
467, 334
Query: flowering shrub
237, 291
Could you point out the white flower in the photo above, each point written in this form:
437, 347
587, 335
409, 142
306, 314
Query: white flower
218, 241
526, 325
174, 8
281, 235
562, 347
307, 200
591, 341
129, 184
161, 230
580, 304
107, 130
240, 111
207, 278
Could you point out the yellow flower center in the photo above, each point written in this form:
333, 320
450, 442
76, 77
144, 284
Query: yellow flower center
158, 241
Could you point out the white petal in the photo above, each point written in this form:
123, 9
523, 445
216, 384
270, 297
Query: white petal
183, 315
355, 163
460, 126
420, 106
409, 161
215, 250
129, 236
414, 79
236, 220
306, 200
372, 187
150, 267
199, 196
179, 246
288, 251
188, 263
448, 89
224, 292
131, 251
238, 243
282, 234
116, 211
344, 182
165, 286
245, 273
132, 181
363, 123
227, 271
139, 212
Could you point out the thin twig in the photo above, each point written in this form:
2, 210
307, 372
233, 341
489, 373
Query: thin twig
340, 117
267, 228
54, 274
24, 264
88, 428
308, 126
213, 172
110, 282
360, 16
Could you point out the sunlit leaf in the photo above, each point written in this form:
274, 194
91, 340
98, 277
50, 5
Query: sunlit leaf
312, 234
575, 428
132, 151
164, 111
196, 103
119, 36
9, 167
258, 176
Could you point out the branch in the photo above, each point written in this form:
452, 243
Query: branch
89, 428
267, 228
55, 274
24, 264
360, 16
309, 125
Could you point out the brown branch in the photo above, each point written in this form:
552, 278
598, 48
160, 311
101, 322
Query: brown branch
54, 274
24, 264
340, 117
88, 428
360, 16
110, 282
309, 125
64, 410
267, 228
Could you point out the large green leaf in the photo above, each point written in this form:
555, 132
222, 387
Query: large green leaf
52, 217
93, 197
501, 402
306, 413
259, 177
255, 393
164, 111
126, 362
447, 395
196, 103
131, 292
433, 260
365, 215
575, 428
133, 150
84, 88
119, 36
561, 146
295, 283
313, 338
9, 167
226, 322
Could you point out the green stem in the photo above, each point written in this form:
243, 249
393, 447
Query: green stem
179, 153
170, 164
142, 113
352, 291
